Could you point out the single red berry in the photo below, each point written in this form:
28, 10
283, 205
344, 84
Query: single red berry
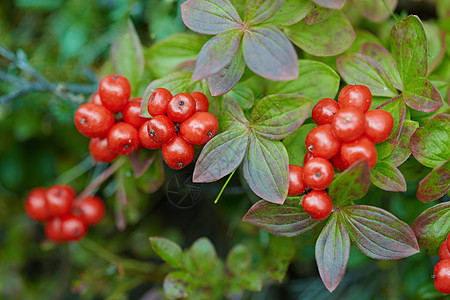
178, 153
448, 241
36, 205
442, 276
444, 253
296, 184
161, 129
378, 125
362, 148
181, 107
308, 157
100, 151
356, 96
348, 124
338, 163
115, 91
95, 99
59, 199
199, 128
201, 101
123, 138
318, 173
92, 209
145, 139
317, 204
324, 110
53, 230
73, 227
93, 120
157, 103
321, 142
131, 113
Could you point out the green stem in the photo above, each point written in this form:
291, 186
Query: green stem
223, 188
390, 10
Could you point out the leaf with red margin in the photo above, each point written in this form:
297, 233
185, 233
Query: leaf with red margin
222, 82
210, 16
436, 184
378, 233
420, 94
336, 4
432, 226
376, 11
332, 251
288, 219
402, 152
258, 11
387, 177
290, 12
269, 53
318, 13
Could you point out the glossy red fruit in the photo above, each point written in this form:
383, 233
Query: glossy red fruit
338, 163
199, 128
318, 173
59, 199
356, 96
95, 99
52, 230
378, 125
321, 142
308, 157
178, 153
296, 184
448, 241
317, 204
93, 120
73, 228
92, 209
157, 103
131, 113
181, 107
161, 129
123, 138
348, 124
362, 148
324, 110
36, 205
114, 91
442, 276
145, 139
201, 101
100, 151
444, 253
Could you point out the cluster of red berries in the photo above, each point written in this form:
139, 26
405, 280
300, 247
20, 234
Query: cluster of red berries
346, 133
66, 219
179, 122
441, 273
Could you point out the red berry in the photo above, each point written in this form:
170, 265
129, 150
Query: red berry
178, 153
317, 204
53, 230
131, 113
442, 276
448, 241
123, 138
338, 163
36, 205
161, 129
59, 199
348, 124
181, 107
199, 128
157, 103
308, 157
115, 91
444, 253
324, 110
296, 184
92, 209
73, 228
93, 120
201, 101
145, 139
95, 99
100, 151
318, 173
321, 142
362, 148
356, 96
378, 125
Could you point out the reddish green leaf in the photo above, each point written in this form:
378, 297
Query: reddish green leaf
258, 11
177, 285
222, 82
378, 233
268, 53
336, 4
318, 13
387, 177
376, 11
288, 219
203, 255
402, 151
436, 184
232, 115
238, 260
297, 150
386, 148
169, 251
432, 226
290, 12
420, 94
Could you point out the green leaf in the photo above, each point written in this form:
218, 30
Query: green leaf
232, 115
326, 38
281, 252
420, 94
222, 82
432, 226
436, 184
378, 233
376, 11
252, 281
436, 49
203, 254
243, 95
238, 260
430, 144
297, 150
387, 177
317, 14
402, 151
169, 251
335, 4
332, 252
386, 148
350, 185
278, 116
258, 11
265, 168
177, 284
290, 12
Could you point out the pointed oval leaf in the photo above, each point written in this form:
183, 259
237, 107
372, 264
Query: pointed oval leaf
210, 16
177, 285
169, 251
222, 82
336, 4
386, 148
378, 233
277, 116
376, 11
258, 11
387, 177
288, 219
203, 255
268, 53
432, 226
290, 12
243, 95
296, 150
420, 94
402, 152
238, 260
318, 13
436, 184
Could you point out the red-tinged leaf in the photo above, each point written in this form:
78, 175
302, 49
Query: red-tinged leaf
402, 151
397, 108
332, 251
432, 226
387, 177
288, 219
268, 53
290, 12
378, 233
140, 161
430, 144
420, 94
265, 168
376, 11
350, 185
436, 184
336, 4
258, 11
217, 53
317, 14
210, 16
222, 82
232, 115
386, 148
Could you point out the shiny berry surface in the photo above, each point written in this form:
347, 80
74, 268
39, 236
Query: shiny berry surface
444, 253
178, 153
36, 205
324, 110
348, 124
92, 209
362, 148
442, 276
448, 241
321, 142
59, 199
73, 228
181, 107
123, 138
93, 120
199, 128
52, 230
318, 173
95, 99
157, 103
201, 101
356, 96
100, 151
296, 184
317, 204
308, 157
378, 125
114, 91
131, 113
161, 129
145, 139
338, 163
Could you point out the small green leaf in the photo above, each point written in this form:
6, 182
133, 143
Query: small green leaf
297, 150
243, 95
258, 11
169, 251
376, 11
238, 260
436, 184
290, 12
222, 82
203, 254
432, 226
317, 14
402, 151
177, 284
420, 94
387, 177
252, 281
